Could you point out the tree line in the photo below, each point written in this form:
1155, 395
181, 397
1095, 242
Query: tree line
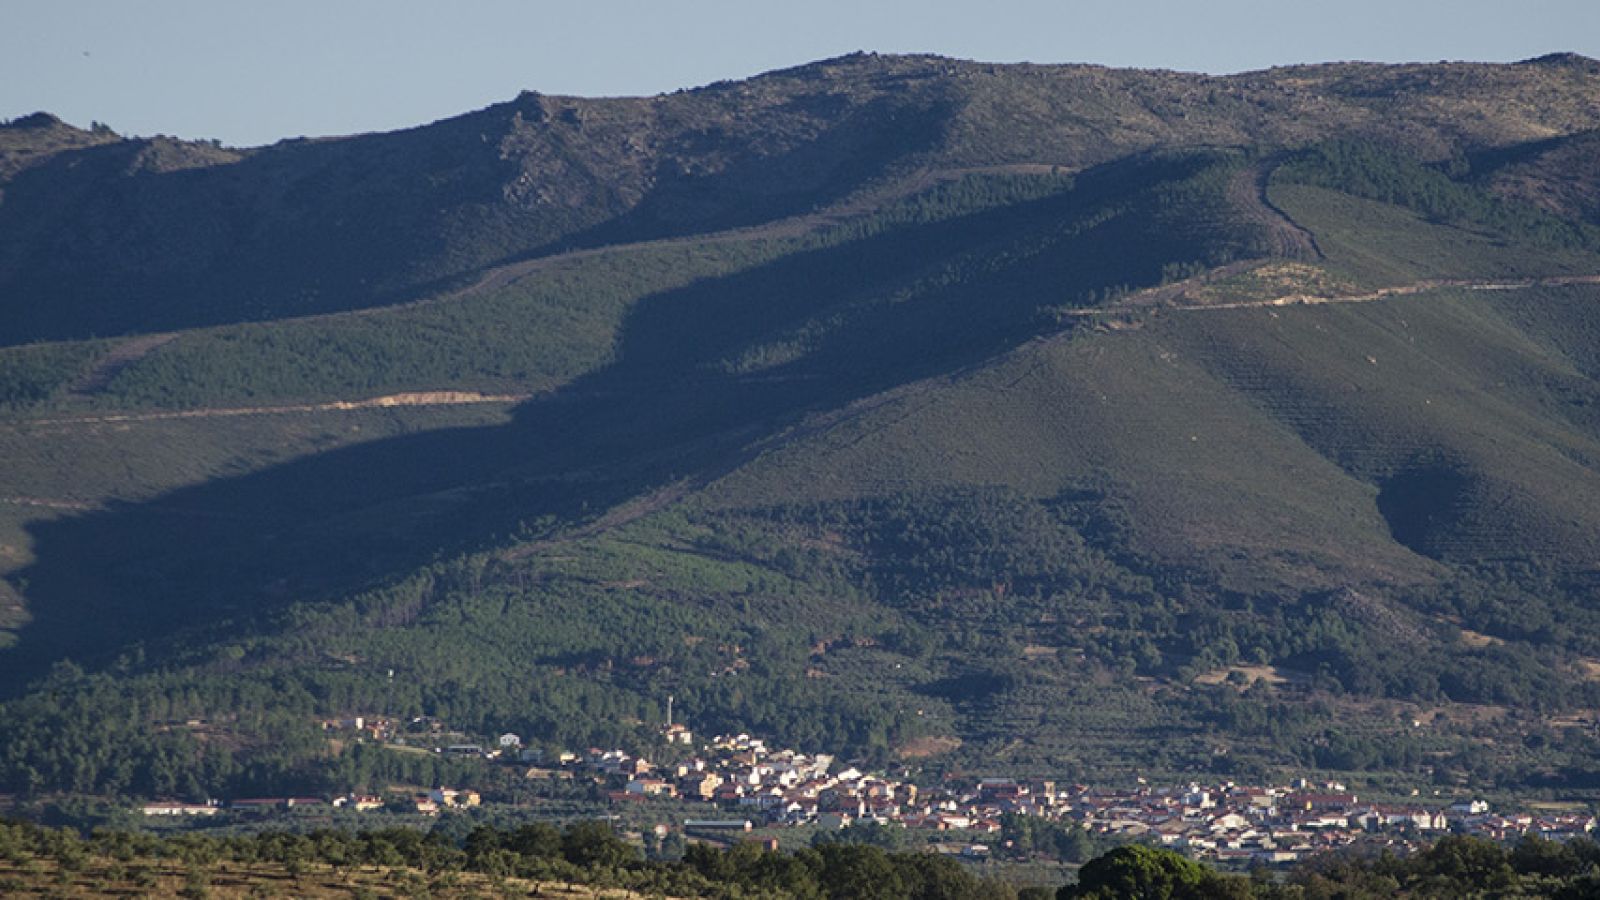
592, 854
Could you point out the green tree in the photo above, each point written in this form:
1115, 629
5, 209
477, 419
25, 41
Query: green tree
593, 844
1147, 873
856, 871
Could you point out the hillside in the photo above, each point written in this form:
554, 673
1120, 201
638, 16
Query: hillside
111, 237
1092, 422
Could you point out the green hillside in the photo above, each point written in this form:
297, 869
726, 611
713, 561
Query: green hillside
1095, 423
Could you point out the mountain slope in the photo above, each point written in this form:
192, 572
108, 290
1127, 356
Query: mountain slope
157, 234
873, 400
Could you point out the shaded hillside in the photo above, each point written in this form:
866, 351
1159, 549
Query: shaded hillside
1090, 422
1558, 175
137, 235
698, 373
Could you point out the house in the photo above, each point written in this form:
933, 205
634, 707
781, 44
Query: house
833, 821
1369, 819
1172, 831
856, 807
883, 808
651, 787
611, 762
996, 789
1324, 820
1376, 817
1562, 828
1320, 802
796, 811
174, 808
359, 802
443, 796
877, 788
1421, 819
509, 742
1229, 822
701, 786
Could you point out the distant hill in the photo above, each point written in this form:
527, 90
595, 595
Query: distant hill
1069, 420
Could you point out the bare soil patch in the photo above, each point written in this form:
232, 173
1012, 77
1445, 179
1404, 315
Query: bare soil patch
921, 748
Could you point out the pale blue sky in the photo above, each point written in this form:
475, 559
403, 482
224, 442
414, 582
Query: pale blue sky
253, 71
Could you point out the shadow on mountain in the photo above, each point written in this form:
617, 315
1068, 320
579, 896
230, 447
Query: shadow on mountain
864, 144
1422, 505
157, 235
702, 375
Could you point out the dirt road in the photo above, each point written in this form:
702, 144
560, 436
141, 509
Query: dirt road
1167, 298
418, 398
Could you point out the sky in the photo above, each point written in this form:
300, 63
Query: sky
250, 73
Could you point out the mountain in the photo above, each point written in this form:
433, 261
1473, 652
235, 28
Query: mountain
139, 235
1048, 419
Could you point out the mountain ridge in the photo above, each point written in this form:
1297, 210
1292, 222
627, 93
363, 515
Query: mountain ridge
857, 403
574, 170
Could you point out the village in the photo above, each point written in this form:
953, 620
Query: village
748, 790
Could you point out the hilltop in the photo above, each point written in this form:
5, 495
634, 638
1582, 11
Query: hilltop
1066, 419
151, 234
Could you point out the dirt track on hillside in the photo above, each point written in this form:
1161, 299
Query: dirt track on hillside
1248, 193
1420, 287
388, 401
1167, 298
